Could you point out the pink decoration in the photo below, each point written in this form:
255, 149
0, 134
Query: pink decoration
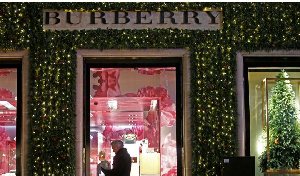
168, 108
153, 71
109, 85
168, 116
4, 93
152, 135
131, 95
168, 152
150, 71
4, 153
4, 72
171, 172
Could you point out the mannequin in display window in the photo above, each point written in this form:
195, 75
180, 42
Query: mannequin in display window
121, 161
103, 163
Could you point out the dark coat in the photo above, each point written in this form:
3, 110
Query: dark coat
105, 164
121, 164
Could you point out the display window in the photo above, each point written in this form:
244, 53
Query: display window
8, 120
272, 87
138, 106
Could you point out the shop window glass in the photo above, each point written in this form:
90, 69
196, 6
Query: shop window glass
137, 106
257, 105
8, 116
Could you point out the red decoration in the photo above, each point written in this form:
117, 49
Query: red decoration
153, 71
4, 151
4, 93
171, 172
109, 85
4, 72
150, 71
168, 108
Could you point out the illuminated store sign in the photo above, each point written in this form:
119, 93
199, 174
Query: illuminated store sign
76, 20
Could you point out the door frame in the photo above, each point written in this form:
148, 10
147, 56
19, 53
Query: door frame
243, 114
153, 53
20, 60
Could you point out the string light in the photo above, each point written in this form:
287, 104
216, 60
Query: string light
53, 57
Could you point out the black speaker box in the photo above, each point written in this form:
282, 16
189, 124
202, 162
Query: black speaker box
238, 166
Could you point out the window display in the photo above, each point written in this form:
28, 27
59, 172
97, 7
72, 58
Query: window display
265, 86
8, 116
137, 106
282, 127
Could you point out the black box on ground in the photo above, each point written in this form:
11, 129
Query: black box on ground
238, 166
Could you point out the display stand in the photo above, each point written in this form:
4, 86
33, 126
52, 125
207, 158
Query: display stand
150, 163
284, 172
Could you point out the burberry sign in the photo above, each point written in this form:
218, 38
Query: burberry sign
192, 20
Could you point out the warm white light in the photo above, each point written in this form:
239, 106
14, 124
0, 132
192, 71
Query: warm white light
261, 143
153, 104
112, 104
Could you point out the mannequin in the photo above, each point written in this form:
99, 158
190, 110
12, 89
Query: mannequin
103, 163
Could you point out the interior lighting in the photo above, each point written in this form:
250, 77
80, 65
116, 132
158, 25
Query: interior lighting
112, 104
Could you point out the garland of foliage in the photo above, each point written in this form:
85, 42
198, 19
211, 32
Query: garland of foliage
52, 96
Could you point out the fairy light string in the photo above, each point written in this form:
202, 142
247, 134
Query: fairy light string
52, 74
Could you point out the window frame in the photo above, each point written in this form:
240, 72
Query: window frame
125, 62
17, 63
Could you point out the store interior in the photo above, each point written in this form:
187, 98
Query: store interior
137, 106
8, 115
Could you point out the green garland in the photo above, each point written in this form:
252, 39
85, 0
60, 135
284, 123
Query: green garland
52, 85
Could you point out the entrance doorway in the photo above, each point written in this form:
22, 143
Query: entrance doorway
138, 101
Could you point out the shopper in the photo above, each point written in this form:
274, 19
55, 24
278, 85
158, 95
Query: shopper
121, 161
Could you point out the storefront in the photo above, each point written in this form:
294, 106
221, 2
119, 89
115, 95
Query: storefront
181, 84
133, 97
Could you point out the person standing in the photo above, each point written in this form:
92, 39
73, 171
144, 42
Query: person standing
121, 161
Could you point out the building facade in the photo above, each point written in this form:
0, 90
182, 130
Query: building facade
181, 84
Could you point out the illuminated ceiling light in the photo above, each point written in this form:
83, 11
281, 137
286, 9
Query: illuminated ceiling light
112, 104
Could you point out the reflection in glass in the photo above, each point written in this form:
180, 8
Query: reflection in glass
137, 106
8, 115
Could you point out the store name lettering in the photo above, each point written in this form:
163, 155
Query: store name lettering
193, 20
